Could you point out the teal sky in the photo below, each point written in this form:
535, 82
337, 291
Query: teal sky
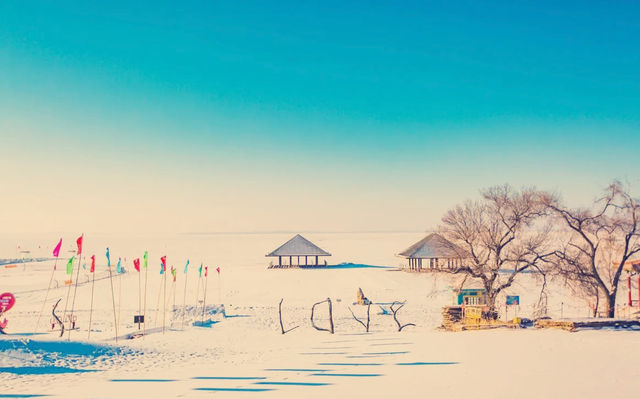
250, 116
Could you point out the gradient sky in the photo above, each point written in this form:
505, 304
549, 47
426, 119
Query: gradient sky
324, 116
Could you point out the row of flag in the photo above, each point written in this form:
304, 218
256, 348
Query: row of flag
136, 262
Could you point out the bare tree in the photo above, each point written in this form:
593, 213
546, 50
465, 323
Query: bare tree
280, 315
499, 237
330, 329
366, 326
395, 317
601, 240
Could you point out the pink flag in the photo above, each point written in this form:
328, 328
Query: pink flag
218, 269
206, 271
136, 264
93, 263
56, 250
79, 242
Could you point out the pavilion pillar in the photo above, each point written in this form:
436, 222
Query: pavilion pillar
290, 260
316, 260
280, 261
306, 261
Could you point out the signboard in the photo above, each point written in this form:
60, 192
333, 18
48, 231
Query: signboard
7, 300
138, 318
513, 300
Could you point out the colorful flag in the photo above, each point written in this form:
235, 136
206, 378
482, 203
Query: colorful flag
206, 271
200, 271
118, 267
79, 242
56, 250
70, 265
146, 258
173, 273
186, 267
163, 261
93, 264
136, 264
218, 269
108, 259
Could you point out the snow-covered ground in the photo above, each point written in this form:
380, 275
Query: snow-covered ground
243, 352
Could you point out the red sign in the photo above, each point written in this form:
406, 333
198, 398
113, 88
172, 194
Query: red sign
7, 300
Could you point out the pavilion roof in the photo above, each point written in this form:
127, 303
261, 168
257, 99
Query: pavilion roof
299, 246
432, 246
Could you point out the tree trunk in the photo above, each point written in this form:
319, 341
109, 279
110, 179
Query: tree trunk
611, 304
491, 300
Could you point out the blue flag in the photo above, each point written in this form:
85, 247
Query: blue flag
186, 267
108, 258
118, 267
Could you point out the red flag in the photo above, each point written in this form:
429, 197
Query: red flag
93, 264
56, 250
136, 264
164, 263
79, 242
206, 271
218, 270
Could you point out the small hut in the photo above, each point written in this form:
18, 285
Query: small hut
434, 252
293, 251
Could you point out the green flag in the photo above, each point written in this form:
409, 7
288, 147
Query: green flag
70, 265
146, 258
200, 270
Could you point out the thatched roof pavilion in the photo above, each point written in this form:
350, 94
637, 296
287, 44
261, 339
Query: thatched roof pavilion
297, 247
437, 251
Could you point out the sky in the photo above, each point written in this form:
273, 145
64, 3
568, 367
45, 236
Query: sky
206, 116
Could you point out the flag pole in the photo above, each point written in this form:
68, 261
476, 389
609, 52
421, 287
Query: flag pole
93, 283
195, 310
206, 283
55, 265
173, 310
139, 292
164, 297
113, 300
184, 300
119, 296
66, 302
144, 314
158, 304
75, 291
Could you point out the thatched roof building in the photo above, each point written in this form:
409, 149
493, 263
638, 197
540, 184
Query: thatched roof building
296, 248
436, 251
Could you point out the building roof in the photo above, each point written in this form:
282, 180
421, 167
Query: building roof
432, 246
299, 246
